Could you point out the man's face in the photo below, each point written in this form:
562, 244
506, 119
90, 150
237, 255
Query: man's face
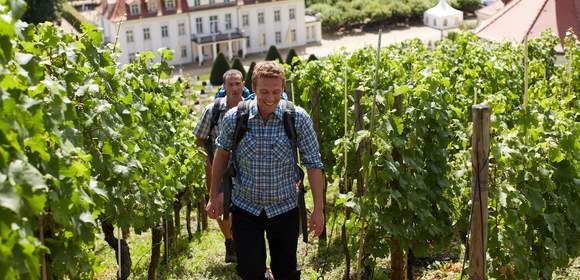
268, 94
234, 86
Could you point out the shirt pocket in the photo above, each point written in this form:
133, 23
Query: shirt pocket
246, 152
284, 160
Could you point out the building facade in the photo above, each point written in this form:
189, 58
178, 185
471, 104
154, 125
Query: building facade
197, 30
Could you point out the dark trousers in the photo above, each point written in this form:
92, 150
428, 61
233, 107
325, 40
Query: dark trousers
282, 234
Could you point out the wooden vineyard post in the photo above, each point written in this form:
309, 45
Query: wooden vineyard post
289, 90
398, 256
315, 105
479, 191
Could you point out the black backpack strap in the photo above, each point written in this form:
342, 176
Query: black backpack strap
242, 116
289, 120
216, 111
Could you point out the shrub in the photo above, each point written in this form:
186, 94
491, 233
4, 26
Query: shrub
219, 67
290, 57
332, 17
248, 81
274, 54
237, 64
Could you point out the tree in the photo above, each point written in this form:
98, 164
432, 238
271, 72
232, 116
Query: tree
219, 67
291, 55
468, 6
42, 10
237, 64
273, 54
248, 81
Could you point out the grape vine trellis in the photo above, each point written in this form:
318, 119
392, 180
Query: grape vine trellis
423, 200
84, 142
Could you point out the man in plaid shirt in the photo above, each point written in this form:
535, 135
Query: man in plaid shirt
206, 136
265, 195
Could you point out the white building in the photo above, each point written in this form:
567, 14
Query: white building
443, 16
197, 30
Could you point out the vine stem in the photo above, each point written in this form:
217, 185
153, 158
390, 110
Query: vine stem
42, 242
361, 243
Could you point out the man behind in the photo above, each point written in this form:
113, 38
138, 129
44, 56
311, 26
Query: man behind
206, 133
265, 196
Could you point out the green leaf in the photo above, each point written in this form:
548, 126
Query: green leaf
9, 199
87, 217
22, 173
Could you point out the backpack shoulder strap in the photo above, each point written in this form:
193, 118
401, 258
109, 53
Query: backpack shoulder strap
242, 116
289, 120
216, 111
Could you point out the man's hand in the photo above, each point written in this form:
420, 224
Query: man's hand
317, 222
215, 206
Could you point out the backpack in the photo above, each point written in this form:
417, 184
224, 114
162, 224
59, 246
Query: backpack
288, 119
216, 112
246, 94
222, 92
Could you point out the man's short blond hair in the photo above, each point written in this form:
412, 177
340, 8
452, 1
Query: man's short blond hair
267, 70
233, 72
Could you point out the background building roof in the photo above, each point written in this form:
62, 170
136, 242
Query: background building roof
531, 17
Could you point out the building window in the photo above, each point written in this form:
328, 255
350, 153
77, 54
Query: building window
152, 6
134, 10
199, 25
445, 22
211, 2
248, 42
228, 21
146, 34
261, 17
132, 57
213, 24
293, 35
262, 39
164, 31
181, 29
183, 51
278, 37
292, 13
277, 16
226, 1
245, 20
170, 4
197, 3
130, 38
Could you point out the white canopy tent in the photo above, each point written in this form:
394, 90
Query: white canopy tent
443, 16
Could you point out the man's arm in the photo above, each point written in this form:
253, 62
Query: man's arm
200, 142
216, 199
317, 184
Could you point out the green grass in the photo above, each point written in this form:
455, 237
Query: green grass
203, 257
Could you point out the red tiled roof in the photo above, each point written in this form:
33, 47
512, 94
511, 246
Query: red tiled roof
120, 9
521, 18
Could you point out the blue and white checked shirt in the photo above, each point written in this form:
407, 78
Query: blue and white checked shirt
265, 161
201, 130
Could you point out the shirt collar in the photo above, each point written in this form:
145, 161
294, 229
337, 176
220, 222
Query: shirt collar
254, 110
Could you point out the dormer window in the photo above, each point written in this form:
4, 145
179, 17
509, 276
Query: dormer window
170, 4
152, 6
134, 8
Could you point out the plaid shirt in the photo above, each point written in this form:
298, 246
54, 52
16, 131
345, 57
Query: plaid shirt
201, 130
265, 162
